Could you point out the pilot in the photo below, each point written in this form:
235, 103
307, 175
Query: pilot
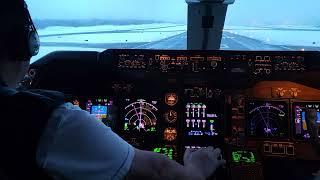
42, 137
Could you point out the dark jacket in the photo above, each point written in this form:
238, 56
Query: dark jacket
23, 117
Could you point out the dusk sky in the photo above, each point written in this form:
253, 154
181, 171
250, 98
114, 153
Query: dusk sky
243, 12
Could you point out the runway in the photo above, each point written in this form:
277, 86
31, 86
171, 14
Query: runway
167, 37
230, 41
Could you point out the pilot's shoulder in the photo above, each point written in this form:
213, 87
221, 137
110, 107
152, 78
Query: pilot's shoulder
68, 113
68, 109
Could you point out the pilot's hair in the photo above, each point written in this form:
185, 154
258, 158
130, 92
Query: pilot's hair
12, 18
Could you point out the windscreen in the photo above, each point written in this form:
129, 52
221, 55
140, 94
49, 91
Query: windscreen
97, 25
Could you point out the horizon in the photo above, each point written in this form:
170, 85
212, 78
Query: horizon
284, 12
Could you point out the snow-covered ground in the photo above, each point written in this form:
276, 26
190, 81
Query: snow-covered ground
104, 34
281, 35
111, 34
149, 27
101, 38
75, 38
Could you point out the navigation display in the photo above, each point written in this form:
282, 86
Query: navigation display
267, 119
140, 115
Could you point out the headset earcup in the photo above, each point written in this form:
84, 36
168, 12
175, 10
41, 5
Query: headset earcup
33, 43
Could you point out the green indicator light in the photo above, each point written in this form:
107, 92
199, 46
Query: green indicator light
252, 158
212, 121
152, 129
165, 151
157, 150
126, 128
235, 157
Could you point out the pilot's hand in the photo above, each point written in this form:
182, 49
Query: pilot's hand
316, 175
204, 161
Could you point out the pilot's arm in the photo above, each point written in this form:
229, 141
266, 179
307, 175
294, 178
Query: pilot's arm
198, 165
76, 145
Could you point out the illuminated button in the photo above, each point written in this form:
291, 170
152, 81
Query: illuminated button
281, 92
294, 92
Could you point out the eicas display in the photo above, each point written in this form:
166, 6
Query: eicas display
201, 120
140, 115
267, 119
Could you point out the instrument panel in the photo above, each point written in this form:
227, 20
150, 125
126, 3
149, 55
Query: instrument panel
250, 104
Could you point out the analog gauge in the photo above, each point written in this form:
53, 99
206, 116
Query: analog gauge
171, 116
170, 134
171, 99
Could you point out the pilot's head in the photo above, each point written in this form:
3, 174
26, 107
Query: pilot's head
18, 43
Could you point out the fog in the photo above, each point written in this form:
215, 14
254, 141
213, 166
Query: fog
243, 12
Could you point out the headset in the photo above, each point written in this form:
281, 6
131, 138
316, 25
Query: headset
22, 42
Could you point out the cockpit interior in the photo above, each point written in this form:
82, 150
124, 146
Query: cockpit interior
251, 103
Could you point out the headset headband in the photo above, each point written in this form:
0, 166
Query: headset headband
34, 42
